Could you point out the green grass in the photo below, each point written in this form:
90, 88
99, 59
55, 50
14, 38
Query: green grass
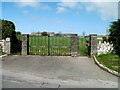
109, 60
57, 45
99, 40
82, 49
2, 53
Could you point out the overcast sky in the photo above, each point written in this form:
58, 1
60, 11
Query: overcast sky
65, 17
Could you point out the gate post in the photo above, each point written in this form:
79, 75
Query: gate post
25, 44
0, 33
74, 45
7, 46
93, 44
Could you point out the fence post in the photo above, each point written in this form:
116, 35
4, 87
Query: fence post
93, 44
74, 45
25, 44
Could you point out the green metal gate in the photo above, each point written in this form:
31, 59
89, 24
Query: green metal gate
82, 48
49, 45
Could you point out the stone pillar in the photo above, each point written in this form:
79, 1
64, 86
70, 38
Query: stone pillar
93, 44
8, 46
0, 34
25, 44
74, 45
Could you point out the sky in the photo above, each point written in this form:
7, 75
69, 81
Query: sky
60, 17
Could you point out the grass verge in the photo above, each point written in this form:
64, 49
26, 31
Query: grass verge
2, 53
109, 60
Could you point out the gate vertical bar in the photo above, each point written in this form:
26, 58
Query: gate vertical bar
25, 44
48, 45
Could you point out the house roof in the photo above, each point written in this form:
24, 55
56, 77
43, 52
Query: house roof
42, 32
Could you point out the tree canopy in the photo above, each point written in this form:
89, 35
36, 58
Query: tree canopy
44, 33
8, 31
115, 35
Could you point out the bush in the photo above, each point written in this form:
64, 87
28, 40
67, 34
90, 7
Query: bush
104, 39
44, 34
115, 35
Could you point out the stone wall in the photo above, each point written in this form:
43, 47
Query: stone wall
104, 48
5, 46
93, 44
74, 45
25, 44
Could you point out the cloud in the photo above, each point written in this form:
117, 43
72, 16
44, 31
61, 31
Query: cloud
44, 6
68, 4
25, 12
24, 3
61, 10
32, 3
64, 6
62, 0
89, 0
106, 10
90, 8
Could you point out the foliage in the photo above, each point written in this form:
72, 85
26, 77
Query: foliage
83, 34
115, 35
44, 34
104, 39
19, 35
58, 34
8, 30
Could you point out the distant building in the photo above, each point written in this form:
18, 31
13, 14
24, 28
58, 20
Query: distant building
54, 34
51, 33
40, 33
99, 36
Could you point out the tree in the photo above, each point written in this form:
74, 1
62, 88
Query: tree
58, 34
115, 35
44, 34
8, 31
83, 34
19, 35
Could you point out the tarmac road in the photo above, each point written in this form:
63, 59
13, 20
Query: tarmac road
54, 72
